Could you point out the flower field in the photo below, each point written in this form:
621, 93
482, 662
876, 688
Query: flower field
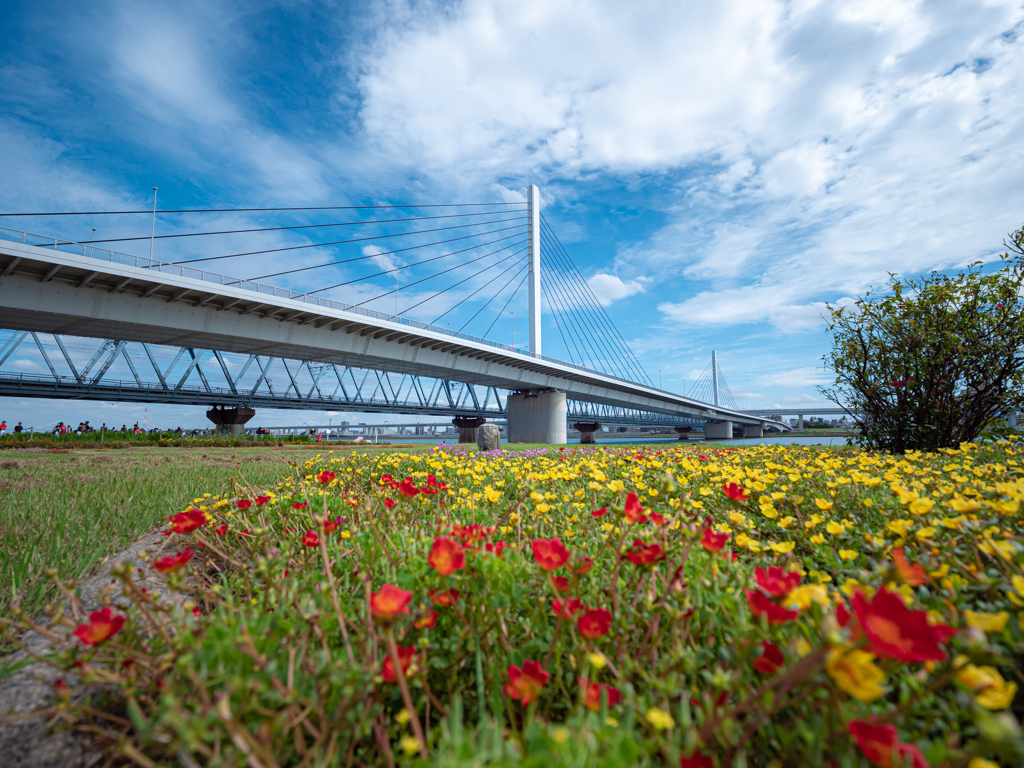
684, 606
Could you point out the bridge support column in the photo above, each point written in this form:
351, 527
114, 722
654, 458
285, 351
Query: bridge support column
800, 423
718, 430
683, 432
753, 430
587, 430
231, 419
536, 417
467, 427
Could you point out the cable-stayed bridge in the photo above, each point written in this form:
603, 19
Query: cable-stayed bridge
280, 347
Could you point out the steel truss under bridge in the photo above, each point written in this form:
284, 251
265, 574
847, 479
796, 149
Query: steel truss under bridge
69, 367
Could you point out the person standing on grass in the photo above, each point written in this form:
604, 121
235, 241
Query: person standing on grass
3, 427
18, 429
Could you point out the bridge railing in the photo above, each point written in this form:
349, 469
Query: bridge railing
179, 270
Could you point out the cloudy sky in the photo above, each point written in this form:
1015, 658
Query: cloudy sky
718, 171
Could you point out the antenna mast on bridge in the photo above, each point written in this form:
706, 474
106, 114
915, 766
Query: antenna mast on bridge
533, 219
714, 375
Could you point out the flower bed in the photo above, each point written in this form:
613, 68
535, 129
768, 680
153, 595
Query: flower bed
677, 606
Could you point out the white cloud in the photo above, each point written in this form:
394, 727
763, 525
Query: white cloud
609, 288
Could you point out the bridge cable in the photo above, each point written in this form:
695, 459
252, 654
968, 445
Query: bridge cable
474, 293
455, 285
502, 312
558, 303
498, 293
388, 253
358, 240
602, 312
558, 326
297, 226
422, 280
573, 273
249, 210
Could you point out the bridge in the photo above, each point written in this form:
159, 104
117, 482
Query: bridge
55, 288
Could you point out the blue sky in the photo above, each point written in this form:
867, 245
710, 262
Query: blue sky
718, 171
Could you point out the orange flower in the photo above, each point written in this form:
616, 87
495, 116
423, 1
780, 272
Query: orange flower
445, 598
525, 684
329, 526
634, 509
389, 602
915, 575
641, 555
390, 503
406, 655
592, 698
310, 539
188, 521
896, 632
777, 582
446, 556
595, 623
102, 625
735, 492
170, 564
427, 621
550, 554
326, 477
770, 660
712, 541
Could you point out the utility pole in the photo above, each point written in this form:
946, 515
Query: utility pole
152, 234
714, 374
533, 219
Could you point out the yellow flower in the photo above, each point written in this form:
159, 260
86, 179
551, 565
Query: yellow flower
782, 547
742, 541
855, 672
818, 538
490, 494
848, 554
804, 595
597, 659
536, 496
939, 573
823, 504
925, 533
1004, 548
660, 719
769, 511
987, 622
834, 528
598, 475
615, 486
963, 506
921, 506
815, 519
980, 762
899, 527
778, 496
403, 716
786, 522
802, 646
1018, 584
867, 503
409, 745
737, 517
989, 687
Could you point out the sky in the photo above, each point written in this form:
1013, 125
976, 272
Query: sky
718, 172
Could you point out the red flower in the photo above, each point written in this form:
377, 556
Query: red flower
385, 479
222, 530
243, 503
406, 655
299, 505
568, 609
760, 605
310, 539
390, 503
427, 621
446, 597
495, 549
446, 557
188, 521
592, 699
407, 489
771, 660
641, 555
915, 575
582, 565
735, 492
634, 509
560, 583
325, 477
261, 500
595, 623
550, 554
696, 760
600, 512
389, 602
526, 684
896, 632
330, 526
102, 625
169, 564
658, 519
777, 582
881, 745
712, 541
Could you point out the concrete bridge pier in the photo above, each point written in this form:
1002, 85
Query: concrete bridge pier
753, 430
718, 430
587, 430
683, 432
467, 427
231, 419
536, 416
800, 423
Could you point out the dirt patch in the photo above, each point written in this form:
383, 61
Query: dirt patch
12, 464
